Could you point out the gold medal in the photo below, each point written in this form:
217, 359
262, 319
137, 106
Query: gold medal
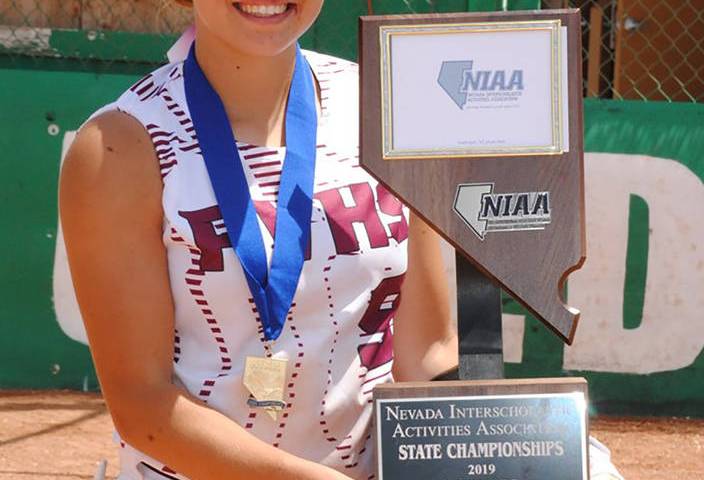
265, 378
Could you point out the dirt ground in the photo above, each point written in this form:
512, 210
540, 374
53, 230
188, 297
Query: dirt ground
63, 435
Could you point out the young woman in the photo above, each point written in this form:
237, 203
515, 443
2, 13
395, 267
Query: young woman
240, 298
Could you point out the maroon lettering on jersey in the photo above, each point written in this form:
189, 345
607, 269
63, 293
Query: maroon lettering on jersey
391, 205
208, 240
211, 242
383, 303
341, 218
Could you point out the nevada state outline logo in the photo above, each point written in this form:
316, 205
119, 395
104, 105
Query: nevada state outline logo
470, 87
484, 211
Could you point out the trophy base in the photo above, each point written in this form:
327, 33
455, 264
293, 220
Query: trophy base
527, 429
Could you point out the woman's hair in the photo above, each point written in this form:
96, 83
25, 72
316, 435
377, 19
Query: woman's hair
184, 3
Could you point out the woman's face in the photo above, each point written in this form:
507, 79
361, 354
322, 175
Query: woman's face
257, 27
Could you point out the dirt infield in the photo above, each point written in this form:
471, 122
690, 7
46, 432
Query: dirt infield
63, 435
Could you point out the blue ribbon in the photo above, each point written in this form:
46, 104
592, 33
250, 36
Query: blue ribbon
273, 291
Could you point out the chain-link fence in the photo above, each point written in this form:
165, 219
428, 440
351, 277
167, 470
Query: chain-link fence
145, 16
633, 49
101, 31
643, 49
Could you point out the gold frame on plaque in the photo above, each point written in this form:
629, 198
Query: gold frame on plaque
387, 32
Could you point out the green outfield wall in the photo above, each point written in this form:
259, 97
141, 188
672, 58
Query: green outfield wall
641, 291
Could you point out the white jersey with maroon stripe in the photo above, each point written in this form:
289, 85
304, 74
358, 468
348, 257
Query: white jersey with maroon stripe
338, 334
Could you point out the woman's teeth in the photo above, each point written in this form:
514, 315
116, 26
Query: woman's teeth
263, 10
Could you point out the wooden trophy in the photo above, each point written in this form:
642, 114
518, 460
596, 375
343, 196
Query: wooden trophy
474, 120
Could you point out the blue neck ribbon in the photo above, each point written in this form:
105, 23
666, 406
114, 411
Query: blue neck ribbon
272, 290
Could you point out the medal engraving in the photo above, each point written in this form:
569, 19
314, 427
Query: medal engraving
265, 379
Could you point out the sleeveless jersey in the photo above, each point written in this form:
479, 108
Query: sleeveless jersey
338, 333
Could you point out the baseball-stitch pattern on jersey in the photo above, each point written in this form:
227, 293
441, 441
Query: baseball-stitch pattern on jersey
194, 283
162, 141
355, 459
331, 307
265, 165
156, 86
166, 469
143, 86
177, 346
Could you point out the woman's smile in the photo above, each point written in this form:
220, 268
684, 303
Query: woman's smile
266, 13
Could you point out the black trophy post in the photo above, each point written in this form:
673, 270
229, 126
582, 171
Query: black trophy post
478, 323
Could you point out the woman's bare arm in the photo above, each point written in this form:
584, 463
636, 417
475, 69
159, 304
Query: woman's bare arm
110, 203
425, 341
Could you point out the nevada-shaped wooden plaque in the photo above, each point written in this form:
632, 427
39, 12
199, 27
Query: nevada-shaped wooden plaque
474, 120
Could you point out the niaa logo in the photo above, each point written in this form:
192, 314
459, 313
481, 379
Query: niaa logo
463, 83
484, 210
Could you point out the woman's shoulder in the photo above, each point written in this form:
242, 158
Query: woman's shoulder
111, 139
110, 167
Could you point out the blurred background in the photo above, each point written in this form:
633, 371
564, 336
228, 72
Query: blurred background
641, 291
